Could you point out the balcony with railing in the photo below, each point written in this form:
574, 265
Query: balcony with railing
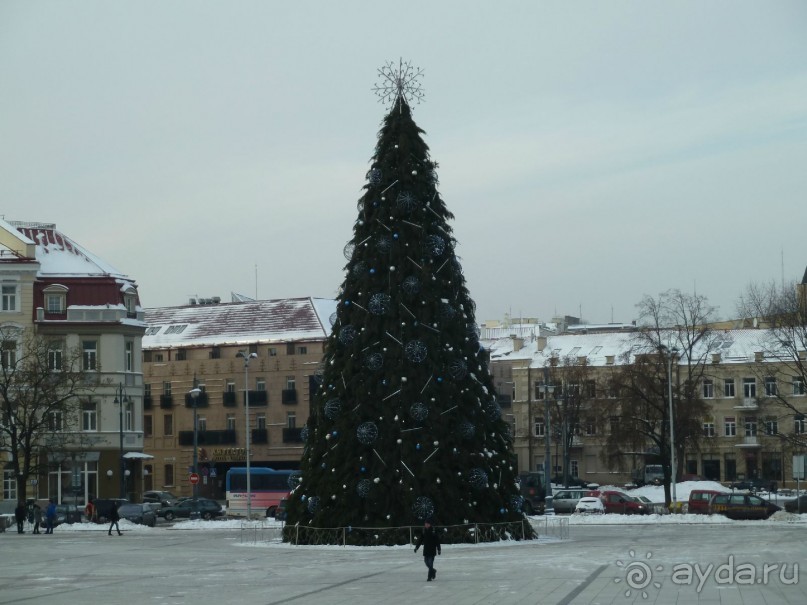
260, 436
294, 435
749, 441
229, 399
166, 401
224, 437
289, 396
749, 404
202, 400
147, 402
259, 398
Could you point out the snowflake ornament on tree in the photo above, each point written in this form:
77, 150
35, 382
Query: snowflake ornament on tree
399, 83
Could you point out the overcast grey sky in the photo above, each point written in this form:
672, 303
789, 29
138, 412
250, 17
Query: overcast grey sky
592, 152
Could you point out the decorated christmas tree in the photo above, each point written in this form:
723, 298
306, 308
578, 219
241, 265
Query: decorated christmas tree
405, 425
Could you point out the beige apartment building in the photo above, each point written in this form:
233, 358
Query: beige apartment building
744, 436
199, 345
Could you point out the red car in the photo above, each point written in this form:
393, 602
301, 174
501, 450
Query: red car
620, 503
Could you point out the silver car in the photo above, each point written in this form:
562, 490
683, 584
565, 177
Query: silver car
564, 500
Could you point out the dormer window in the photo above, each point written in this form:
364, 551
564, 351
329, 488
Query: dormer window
55, 299
130, 301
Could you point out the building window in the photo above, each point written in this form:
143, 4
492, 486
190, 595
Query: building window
290, 348
730, 426
708, 389
167, 389
148, 425
230, 387
771, 426
215, 353
590, 427
168, 425
130, 302
158, 357
272, 352
260, 384
302, 350
8, 353
9, 486
728, 388
260, 421
591, 389
55, 303
229, 423
539, 391
291, 383
749, 388
89, 417
798, 385
168, 469
129, 355
55, 358
709, 428
539, 429
801, 426
9, 297
291, 420
201, 424
182, 355
750, 426
90, 354
128, 417
55, 421
614, 424
771, 389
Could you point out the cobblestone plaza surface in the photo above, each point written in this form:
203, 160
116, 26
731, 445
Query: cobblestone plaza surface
617, 564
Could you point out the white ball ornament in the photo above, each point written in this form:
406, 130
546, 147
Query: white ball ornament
400, 441
333, 497
438, 479
436, 443
403, 378
392, 268
376, 480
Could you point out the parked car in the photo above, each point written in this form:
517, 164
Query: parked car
532, 491
67, 513
207, 509
756, 485
589, 505
797, 505
164, 498
564, 500
103, 507
280, 511
570, 481
698, 503
741, 506
620, 503
142, 514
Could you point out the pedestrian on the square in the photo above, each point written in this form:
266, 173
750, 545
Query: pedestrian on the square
430, 542
89, 511
37, 517
50, 516
19, 516
114, 517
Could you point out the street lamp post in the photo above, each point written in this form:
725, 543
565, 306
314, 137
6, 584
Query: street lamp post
121, 399
671, 355
547, 389
247, 356
194, 393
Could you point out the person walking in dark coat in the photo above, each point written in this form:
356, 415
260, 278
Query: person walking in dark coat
37, 518
19, 516
430, 542
114, 517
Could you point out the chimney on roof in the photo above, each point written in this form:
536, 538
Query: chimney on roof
518, 342
541, 342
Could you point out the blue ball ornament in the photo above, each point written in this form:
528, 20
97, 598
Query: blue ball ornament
334, 433
363, 469
394, 236
323, 465
417, 447
439, 379
501, 511
372, 271
347, 302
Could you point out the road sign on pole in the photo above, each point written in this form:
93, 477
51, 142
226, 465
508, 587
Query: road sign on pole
193, 478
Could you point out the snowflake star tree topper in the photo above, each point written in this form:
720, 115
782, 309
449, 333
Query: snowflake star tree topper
399, 83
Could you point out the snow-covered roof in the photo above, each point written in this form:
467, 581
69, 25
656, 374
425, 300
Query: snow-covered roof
60, 256
734, 346
262, 321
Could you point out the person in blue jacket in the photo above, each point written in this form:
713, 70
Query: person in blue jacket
50, 516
